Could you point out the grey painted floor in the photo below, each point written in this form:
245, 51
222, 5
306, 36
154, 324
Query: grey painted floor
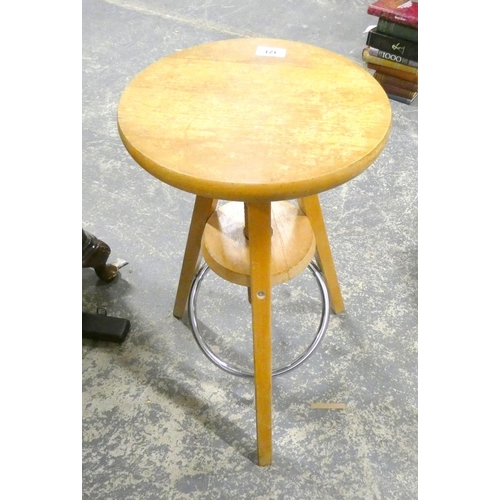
159, 420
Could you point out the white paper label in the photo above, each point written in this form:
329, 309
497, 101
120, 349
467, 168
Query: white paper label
270, 51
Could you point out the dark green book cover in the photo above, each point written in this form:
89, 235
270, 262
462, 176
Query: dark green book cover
397, 30
392, 45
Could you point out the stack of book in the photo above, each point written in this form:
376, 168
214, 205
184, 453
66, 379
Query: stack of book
392, 48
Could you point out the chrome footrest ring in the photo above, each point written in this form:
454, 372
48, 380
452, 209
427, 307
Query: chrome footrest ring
325, 316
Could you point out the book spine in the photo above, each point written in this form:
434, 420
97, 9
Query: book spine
391, 57
395, 15
400, 99
391, 89
396, 82
390, 64
397, 30
392, 45
402, 75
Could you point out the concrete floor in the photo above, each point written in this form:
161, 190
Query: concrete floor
159, 420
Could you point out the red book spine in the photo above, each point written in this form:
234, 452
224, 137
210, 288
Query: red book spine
400, 11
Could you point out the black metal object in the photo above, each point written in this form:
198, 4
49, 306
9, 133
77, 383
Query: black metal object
100, 326
104, 327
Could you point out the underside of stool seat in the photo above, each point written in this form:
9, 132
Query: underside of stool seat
225, 247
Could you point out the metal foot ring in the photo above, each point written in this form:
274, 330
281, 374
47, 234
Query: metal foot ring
325, 316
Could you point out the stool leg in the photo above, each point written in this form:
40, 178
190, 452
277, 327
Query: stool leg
312, 208
203, 209
259, 233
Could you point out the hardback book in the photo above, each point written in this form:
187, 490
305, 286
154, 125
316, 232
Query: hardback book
391, 89
392, 45
397, 30
391, 57
367, 57
401, 99
395, 82
400, 11
402, 75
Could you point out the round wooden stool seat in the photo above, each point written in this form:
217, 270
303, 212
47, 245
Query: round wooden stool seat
225, 247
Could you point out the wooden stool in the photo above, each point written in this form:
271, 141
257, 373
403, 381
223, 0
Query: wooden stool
255, 121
